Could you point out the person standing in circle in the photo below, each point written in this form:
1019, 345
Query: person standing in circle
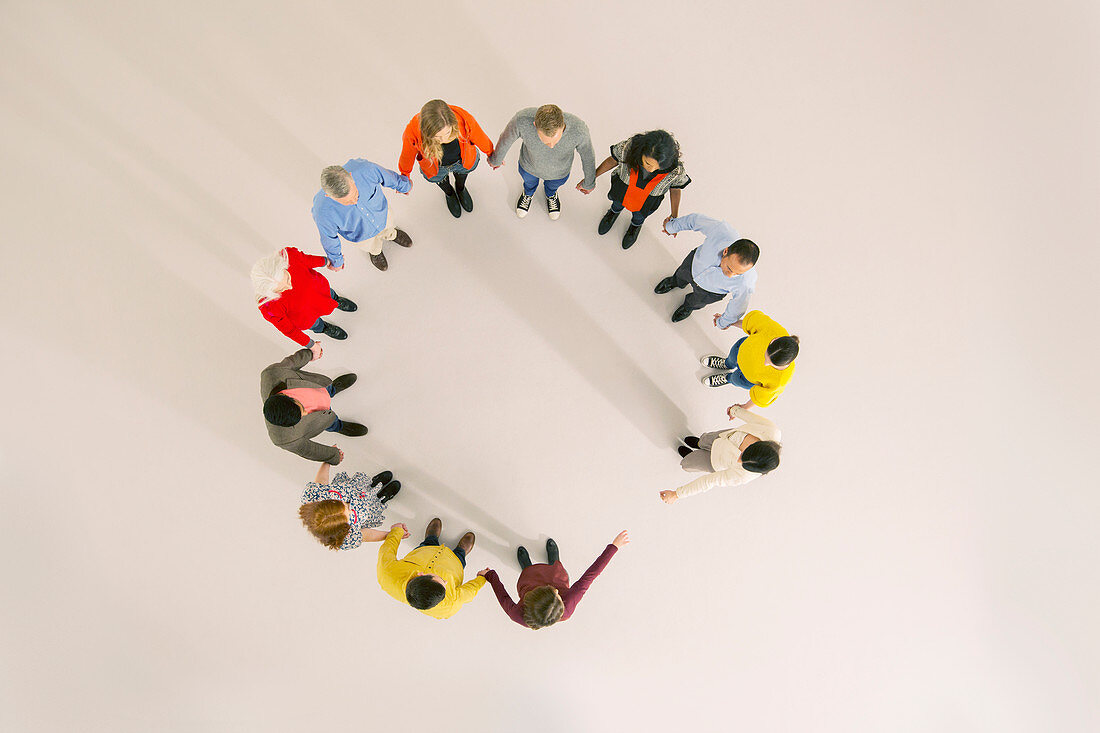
351, 204
292, 296
647, 167
550, 139
445, 140
342, 513
728, 457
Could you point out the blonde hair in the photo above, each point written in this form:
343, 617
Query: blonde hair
325, 520
542, 607
267, 275
549, 119
435, 116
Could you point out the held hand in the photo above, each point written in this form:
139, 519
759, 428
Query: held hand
410, 180
402, 526
669, 497
621, 539
664, 224
318, 352
582, 189
494, 167
743, 407
340, 452
334, 269
716, 317
482, 573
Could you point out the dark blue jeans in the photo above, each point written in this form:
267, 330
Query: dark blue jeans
530, 183
636, 217
336, 425
735, 377
433, 541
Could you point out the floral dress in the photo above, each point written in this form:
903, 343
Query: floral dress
364, 507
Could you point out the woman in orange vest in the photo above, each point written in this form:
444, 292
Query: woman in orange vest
445, 140
648, 167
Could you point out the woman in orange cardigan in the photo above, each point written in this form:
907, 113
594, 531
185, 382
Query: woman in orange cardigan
445, 140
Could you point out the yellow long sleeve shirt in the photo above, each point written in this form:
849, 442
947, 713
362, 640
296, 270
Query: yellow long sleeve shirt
394, 574
770, 382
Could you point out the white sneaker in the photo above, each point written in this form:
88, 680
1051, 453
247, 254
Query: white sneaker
553, 207
523, 205
715, 380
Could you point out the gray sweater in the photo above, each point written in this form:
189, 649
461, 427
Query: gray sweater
547, 163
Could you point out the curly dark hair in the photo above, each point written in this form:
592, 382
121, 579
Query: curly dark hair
656, 144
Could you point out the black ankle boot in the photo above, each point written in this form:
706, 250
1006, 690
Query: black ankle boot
523, 557
551, 551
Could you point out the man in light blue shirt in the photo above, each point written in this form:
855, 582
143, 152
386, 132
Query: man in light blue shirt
352, 205
721, 265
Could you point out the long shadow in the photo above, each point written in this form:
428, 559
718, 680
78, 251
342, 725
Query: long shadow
501, 539
72, 115
553, 313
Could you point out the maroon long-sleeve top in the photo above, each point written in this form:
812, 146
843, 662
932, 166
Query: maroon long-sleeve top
541, 574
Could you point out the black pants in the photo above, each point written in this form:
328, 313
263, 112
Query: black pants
698, 297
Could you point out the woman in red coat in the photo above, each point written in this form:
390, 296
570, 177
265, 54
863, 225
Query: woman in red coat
294, 297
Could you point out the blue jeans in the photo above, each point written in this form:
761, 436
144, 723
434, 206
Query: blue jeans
336, 425
530, 183
735, 376
636, 217
433, 541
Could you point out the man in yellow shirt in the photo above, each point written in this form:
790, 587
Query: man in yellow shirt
430, 577
761, 362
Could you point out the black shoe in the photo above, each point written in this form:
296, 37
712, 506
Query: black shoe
551, 551
382, 478
389, 491
680, 313
379, 261
465, 200
524, 557
343, 304
342, 382
607, 220
684, 451
453, 205
665, 285
631, 235
403, 239
334, 331
353, 429
692, 442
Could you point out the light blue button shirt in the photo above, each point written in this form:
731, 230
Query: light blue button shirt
706, 268
363, 219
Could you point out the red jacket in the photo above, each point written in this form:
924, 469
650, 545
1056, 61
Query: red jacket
307, 300
469, 135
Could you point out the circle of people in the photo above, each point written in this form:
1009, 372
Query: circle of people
344, 511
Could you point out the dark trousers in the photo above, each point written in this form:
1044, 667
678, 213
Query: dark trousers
433, 541
698, 297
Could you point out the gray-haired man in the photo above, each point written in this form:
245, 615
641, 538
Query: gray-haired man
352, 205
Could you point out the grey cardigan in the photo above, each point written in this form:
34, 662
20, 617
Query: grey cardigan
287, 374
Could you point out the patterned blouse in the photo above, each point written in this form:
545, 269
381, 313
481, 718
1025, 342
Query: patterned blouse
676, 178
364, 507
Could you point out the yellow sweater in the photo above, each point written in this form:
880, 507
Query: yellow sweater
394, 574
770, 382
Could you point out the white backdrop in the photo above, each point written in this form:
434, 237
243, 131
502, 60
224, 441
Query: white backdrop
922, 180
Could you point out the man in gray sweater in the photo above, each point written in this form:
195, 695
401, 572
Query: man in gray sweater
550, 138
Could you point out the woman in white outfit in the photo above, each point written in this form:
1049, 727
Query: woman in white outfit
729, 457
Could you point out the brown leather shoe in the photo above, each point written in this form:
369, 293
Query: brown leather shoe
403, 239
467, 542
379, 261
434, 528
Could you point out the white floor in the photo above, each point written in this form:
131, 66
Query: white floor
922, 180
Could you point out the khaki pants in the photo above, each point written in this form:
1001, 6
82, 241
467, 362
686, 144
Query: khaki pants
374, 244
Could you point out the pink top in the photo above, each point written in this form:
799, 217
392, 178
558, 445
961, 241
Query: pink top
313, 399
